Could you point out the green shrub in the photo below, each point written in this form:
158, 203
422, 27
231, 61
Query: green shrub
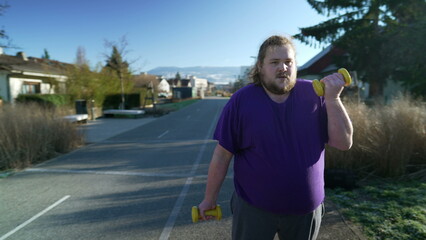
113, 101
145, 96
49, 100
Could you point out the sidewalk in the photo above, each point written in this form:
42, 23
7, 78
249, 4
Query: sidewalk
103, 128
335, 227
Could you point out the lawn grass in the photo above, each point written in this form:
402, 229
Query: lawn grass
177, 105
386, 209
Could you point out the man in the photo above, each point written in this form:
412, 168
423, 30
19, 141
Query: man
276, 130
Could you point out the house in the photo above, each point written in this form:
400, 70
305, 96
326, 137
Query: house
181, 88
324, 64
321, 64
144, 80
176, 82
210, 88
199, 86
163, 86
27, 75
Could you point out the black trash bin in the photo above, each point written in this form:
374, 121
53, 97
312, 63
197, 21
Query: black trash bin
81, 106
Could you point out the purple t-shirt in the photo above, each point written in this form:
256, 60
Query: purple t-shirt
278, 147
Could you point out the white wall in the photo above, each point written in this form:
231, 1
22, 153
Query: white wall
199, 83
16, 87
46, 88
163, 86
199, 86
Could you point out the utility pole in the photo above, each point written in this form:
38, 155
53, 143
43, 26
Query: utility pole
120, 75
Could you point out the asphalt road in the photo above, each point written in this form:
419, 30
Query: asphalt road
140, 184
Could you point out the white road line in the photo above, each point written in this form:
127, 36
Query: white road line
165, 234
164, 133
34, 218
120, 173
141, 174
175, 212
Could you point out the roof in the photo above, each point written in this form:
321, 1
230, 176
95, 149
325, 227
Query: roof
322, 62
315, 58
22, 64
143, 80
184, 82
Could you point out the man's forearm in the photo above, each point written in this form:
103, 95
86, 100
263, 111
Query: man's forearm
340, 128
217, 172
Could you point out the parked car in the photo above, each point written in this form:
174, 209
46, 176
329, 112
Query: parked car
163, 95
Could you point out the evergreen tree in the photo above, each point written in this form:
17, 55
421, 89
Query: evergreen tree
45, 54
117, 65
366, 30
405, 50
115, 62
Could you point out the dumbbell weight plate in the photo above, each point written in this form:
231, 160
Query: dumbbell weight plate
194, 214
318, 87
346, 76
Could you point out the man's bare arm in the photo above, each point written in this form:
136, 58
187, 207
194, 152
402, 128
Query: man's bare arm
217, 172
340, 129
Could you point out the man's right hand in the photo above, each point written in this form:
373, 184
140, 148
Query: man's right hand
204, 206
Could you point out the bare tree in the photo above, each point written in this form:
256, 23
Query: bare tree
81, 59
3, 35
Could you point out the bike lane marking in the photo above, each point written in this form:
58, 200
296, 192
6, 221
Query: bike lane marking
163, 134
35, 217
165, 234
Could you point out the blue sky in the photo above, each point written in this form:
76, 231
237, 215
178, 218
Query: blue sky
179, 33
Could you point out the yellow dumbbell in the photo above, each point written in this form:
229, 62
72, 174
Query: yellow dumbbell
320, 86
217, 212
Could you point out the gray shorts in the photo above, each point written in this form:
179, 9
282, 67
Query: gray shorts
250, 223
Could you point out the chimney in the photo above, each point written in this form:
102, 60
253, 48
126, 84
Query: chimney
22, 55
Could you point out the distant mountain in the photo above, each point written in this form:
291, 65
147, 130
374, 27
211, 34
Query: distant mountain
212, 74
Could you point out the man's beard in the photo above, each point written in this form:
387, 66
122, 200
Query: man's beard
273, 88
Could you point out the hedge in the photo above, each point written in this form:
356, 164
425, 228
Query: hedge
47, 100
131, 100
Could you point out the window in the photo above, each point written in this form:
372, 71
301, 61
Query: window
30, 88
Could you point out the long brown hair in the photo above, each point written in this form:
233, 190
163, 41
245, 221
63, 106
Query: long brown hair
273, 41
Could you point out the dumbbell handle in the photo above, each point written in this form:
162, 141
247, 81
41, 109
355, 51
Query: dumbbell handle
217, 212
320, 86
